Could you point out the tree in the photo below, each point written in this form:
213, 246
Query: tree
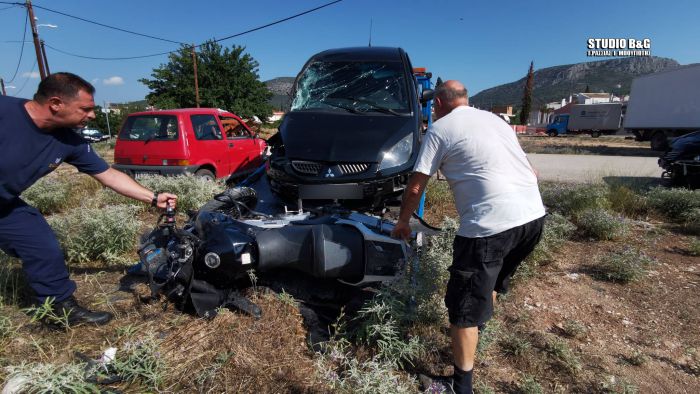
438, 82
228, 79
116, 116
588, 89
527, 96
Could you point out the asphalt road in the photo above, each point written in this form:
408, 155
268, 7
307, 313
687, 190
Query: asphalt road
594, 168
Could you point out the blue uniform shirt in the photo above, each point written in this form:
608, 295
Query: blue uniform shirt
27, 152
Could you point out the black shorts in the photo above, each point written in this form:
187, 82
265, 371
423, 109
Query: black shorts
483, 265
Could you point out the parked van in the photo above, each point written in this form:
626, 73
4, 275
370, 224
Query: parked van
207, 142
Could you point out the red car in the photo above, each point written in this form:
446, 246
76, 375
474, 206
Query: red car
207, 142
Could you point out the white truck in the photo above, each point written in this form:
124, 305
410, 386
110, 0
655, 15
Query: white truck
664, 105
593, 119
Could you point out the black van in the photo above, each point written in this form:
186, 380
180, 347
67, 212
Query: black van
353, 131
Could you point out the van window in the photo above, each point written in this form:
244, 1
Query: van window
150, 128
206, 127
353, 86
233, 128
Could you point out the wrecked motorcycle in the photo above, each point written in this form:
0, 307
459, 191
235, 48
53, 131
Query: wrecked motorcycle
204, 264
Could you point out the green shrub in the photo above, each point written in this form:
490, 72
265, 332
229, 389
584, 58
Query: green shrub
570, 199
623, 267
560, 351
513, 344
50, 378
557, 229
380, 326
626, 202
601, 224
88, 234
694, 247
192, 192
6, 327
691, 221
574, 329
528, 385
674, 203
48, 195
141, 361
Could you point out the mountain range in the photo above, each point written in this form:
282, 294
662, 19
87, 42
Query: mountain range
554, 83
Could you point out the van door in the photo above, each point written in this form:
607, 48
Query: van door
210, 145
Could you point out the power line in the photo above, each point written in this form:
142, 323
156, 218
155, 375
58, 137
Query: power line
7, 8
107, 26
26, 80
198, 45
21, 51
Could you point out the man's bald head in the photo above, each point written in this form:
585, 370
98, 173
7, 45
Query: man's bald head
449, 96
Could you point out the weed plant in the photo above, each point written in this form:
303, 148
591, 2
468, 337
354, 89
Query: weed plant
141, 361
570, 199
50, 378
624, 266
563, 355
528, 385
694, 247
625, 201
192, 192
487, 337
104, 234
514, 344
574, 329
48, 195
12, 285
600, 224
674, 203
7, 329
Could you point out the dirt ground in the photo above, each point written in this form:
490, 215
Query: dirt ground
638, 336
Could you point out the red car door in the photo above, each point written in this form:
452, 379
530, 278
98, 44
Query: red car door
210, 145
246, 150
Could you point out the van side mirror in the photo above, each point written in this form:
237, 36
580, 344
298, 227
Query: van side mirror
426, 95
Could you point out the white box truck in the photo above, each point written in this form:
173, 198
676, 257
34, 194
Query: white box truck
593, 119
664, 105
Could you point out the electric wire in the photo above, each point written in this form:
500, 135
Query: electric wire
198, 45
26, 80
7, 8
107, 26
21, 51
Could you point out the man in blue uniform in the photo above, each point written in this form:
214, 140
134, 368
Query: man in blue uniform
36, 136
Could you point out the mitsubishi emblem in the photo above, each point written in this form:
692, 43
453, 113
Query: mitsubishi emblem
329, 174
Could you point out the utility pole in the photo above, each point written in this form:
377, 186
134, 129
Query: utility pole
105, 109
43, 55
196, 81
37, 46
2, 83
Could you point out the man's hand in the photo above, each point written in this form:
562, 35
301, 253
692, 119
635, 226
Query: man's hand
165, 199
401, 230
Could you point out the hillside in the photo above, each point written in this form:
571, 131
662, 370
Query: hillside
555, 83
280, 87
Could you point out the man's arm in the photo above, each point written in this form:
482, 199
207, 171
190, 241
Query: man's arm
124, 185
409, 203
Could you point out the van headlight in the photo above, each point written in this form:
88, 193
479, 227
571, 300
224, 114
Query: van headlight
397, 154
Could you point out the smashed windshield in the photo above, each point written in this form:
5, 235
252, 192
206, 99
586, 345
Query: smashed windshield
354, 87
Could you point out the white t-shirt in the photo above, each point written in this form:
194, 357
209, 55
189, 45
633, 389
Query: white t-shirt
493, 184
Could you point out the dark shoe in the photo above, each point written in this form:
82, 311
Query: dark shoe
436, 385
75, 314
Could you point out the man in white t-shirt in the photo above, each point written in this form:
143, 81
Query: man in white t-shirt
500, 208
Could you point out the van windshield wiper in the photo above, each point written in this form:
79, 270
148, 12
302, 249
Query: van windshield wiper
374, 106
349, 109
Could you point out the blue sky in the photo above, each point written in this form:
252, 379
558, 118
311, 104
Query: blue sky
481, 43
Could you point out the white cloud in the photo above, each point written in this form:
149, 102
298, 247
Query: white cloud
113, 81
32, 75
95, 80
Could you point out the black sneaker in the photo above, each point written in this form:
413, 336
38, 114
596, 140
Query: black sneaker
436, 385
76, 314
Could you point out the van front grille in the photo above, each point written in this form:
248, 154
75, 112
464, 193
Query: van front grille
306, 167
353, 168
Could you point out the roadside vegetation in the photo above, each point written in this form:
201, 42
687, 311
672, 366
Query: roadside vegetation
613, 239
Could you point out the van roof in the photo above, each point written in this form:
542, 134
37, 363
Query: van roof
194, 111
360, 54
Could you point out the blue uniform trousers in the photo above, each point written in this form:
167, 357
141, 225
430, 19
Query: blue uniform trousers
25, 234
